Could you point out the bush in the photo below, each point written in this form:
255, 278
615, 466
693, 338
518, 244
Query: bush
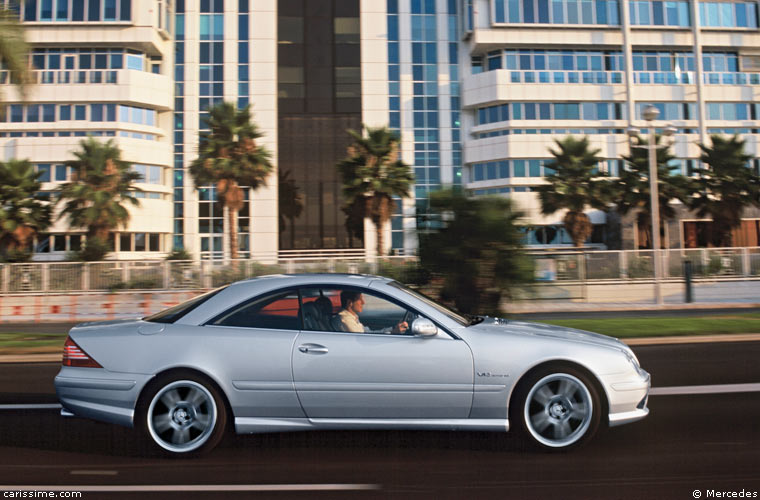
409, 272
94, 249
179, 254
17, 255
475, 255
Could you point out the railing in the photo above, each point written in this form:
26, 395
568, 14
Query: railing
67, 76
633, 265
593, 77
627, 266
639, 77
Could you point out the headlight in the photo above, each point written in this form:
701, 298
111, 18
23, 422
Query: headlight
631, 357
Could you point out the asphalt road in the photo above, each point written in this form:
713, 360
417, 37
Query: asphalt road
705, 442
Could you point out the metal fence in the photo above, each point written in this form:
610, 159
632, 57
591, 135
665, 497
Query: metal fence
551, 267
632, 265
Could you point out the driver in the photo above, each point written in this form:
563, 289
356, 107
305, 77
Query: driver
347, 320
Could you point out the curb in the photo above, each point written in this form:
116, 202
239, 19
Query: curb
691, 339
621, 307
694, 339
30, 358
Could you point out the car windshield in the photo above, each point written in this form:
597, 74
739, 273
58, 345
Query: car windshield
451, 314
174, 313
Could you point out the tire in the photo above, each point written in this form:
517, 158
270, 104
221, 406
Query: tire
556, 408
181, 415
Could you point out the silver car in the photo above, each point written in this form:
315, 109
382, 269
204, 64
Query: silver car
330, 351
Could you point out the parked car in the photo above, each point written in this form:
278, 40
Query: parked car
270, 354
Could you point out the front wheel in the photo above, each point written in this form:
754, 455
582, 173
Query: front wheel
556, 409
183, 415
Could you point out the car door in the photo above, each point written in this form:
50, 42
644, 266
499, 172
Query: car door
379, 374
256, 338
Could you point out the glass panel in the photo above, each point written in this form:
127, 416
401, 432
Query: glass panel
279, 312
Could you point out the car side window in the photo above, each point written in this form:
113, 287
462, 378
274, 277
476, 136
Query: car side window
353, 310
277, 311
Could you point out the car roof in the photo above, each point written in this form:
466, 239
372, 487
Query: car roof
308, 278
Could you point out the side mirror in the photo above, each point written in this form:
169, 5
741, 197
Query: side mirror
423, 327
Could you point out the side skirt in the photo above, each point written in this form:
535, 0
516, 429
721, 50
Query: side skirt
254, 425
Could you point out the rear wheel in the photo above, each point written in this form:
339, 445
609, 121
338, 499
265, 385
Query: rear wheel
556, 408
182, 414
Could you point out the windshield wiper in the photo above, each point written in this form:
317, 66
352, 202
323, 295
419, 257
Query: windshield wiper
474, 320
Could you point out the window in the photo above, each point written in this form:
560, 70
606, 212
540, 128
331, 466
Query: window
125, 242
322, 310
44, 170
60, 172
277, 311
174, 313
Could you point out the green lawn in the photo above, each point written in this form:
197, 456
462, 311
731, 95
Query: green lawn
666, 326
18, 343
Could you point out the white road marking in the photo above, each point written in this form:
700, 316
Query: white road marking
93, 473
31, 407
194, 487
704, 389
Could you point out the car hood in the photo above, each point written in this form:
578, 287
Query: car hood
528, 329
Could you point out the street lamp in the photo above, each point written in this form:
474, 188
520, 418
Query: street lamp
650, 114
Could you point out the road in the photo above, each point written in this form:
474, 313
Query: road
704, 442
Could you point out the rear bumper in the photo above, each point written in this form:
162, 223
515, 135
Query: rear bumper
99, 394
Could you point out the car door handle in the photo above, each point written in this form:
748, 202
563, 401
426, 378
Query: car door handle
312, 349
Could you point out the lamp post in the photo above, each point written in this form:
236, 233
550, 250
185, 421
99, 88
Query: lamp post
650, 114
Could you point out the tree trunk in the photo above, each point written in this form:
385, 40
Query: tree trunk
232, 220
380, 215
578, 226
231, 197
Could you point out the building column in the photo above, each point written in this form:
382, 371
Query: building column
699, 66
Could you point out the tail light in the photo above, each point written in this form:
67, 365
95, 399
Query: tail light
73, 355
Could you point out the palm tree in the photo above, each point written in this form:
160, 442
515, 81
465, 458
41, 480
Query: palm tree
574, 185
229, 158
631, 189
372, 174
13, 50
23, 213
290, 202
726, 188
101, 186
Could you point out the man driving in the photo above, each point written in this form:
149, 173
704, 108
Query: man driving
347, 320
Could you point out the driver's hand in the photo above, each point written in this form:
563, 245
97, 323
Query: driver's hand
401, 327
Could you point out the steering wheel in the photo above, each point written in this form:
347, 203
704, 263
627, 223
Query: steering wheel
409, 317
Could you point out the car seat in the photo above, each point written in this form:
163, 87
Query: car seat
312, 317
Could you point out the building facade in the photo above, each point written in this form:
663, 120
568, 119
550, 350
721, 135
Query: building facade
478, 90
538, 70
101, 68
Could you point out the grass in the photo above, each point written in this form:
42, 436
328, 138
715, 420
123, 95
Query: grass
38, 343
666, 326
31, 343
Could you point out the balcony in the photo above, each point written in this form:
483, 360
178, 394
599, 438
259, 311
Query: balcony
121, 85
505, 85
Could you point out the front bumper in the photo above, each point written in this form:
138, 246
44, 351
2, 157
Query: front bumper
628, 399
